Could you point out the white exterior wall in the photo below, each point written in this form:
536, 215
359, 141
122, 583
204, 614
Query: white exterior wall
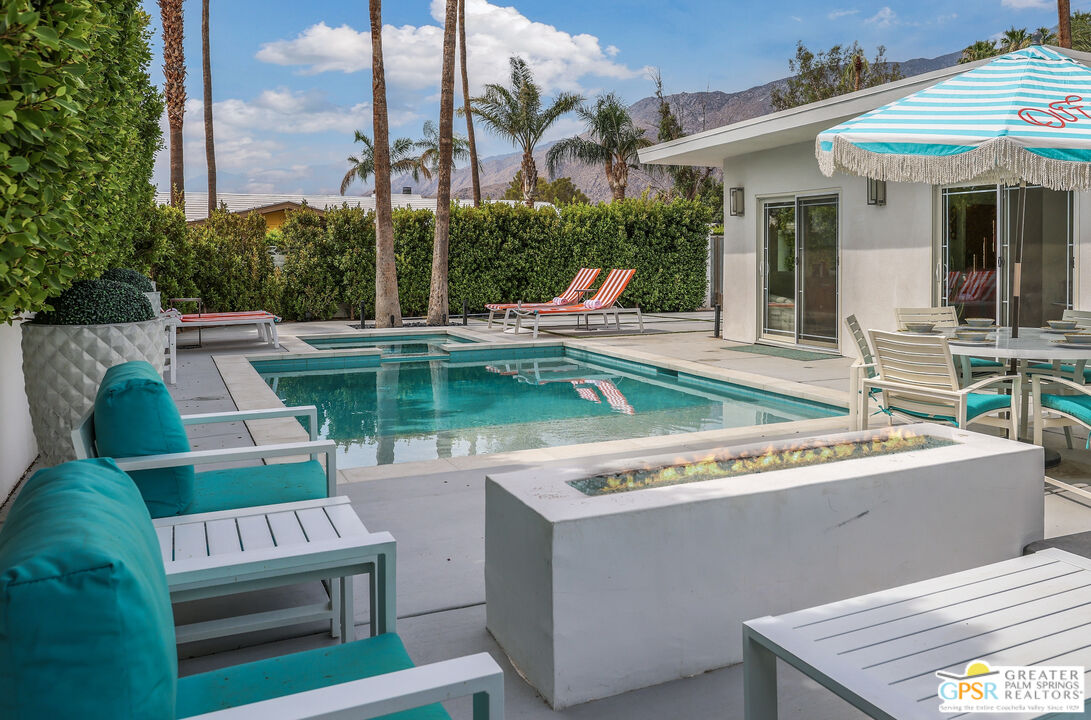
17, 446
886, 253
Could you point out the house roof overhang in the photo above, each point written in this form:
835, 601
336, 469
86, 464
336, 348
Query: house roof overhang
798, 124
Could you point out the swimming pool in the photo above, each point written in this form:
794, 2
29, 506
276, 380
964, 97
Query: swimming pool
496, 401
390, 345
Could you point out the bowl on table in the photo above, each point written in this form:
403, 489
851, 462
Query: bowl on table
920, 327
980, 322
1078, 338
1062, 324
972, 334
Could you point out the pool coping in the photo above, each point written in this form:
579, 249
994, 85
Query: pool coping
250, 392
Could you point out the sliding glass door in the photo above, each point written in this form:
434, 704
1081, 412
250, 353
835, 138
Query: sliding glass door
980, 229
799, 270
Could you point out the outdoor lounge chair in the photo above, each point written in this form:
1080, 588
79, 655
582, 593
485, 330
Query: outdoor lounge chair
917, 378
86, 629
579, 285
863, 368
264, 321
605, 302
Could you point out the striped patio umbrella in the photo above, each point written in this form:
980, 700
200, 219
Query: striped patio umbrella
1023, 118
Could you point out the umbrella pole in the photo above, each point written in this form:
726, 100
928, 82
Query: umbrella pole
1017, 257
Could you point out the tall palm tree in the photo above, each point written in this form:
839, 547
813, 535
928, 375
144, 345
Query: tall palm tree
400, 157
516, 113
1015, 39
427, 162
438, 292
1064, 25
475, 178
388, 311
612, 141
174, 74
210, 144
980, 50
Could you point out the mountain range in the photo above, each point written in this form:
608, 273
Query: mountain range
697, 111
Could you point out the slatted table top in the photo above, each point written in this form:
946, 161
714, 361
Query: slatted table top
885, 648
265, 535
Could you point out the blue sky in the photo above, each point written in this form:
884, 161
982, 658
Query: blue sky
292, 80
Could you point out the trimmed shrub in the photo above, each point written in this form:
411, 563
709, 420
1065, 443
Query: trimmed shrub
498, 253
97, 302
79, 128
129, 277
173, 266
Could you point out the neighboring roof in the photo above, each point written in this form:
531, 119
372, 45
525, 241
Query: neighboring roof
197, 202
799, 124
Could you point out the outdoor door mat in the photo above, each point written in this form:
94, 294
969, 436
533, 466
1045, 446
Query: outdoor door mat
777, 351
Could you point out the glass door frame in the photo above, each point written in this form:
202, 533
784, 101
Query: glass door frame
796, 201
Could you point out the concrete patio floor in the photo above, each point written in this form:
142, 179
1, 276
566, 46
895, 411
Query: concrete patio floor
438, 520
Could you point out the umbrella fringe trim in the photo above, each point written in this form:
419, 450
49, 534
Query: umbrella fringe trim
998, 160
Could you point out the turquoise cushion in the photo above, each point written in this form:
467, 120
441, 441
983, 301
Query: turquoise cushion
86, 629
1078, 406
976, 362
976, 404
288, 674
1068, 370
258, 485
135, 416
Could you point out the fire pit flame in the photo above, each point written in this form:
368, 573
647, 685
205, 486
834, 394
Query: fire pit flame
810, 451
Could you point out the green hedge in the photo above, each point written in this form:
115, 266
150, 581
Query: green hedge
79, 128
498, 253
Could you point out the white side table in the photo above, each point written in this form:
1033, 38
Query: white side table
235, 551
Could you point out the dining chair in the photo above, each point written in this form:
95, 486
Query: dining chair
946, 317
917, 377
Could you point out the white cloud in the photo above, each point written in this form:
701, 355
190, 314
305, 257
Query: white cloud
884, 18
1028, 4
412, 54
841, 13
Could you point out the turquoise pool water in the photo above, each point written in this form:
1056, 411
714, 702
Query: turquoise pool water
400, 344
423, 410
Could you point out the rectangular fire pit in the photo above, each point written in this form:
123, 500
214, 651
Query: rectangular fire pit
602, 579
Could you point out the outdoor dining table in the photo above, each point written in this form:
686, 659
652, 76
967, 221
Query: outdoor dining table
1034, 345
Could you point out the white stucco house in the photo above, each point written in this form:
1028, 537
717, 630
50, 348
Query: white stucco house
802, 251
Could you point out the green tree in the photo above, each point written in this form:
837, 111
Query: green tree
427, 163
561, 191
1081, 31
438, 299
833, 72
362, 166
1015, 39
517, 113
980, 50
612, 141
174, 75
79, 129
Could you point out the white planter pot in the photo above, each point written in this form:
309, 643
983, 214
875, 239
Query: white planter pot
155, 299
63, 366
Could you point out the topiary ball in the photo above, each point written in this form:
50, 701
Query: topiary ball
97, 302
130, 277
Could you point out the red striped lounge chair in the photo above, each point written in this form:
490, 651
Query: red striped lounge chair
580, 284
605, 302
263, 320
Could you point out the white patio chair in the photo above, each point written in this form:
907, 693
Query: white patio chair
864, 367
917, 378
946, 317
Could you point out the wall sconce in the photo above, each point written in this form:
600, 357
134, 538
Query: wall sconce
876, 192
736, 202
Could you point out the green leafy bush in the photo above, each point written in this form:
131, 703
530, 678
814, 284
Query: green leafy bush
129, 277
79, 128
97, 302
498, 253
173, 267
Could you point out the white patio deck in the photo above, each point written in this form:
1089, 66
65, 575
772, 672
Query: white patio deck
438, 520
